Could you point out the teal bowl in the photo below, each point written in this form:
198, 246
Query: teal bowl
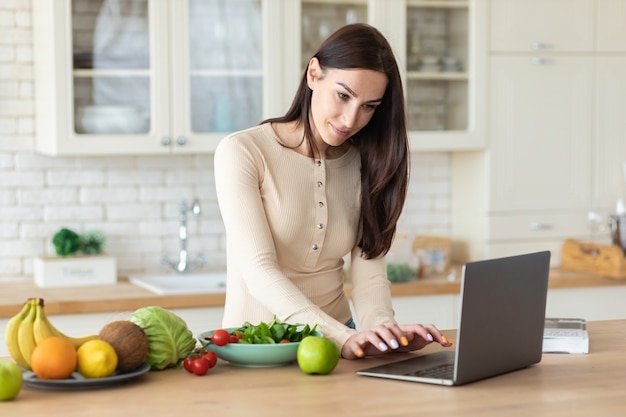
255, 356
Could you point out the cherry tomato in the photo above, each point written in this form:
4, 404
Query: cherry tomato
211, 357
187, 364
285, 341
200, 366
220, 337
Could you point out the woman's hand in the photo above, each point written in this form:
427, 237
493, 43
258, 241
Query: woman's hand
386, 338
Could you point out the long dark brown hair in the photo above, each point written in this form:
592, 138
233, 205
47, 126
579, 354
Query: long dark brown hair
382, 143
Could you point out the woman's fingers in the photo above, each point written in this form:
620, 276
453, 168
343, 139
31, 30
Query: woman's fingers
392, 337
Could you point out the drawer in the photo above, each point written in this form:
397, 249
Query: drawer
537, 226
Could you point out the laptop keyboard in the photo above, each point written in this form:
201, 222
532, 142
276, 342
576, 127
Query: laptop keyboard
444, 371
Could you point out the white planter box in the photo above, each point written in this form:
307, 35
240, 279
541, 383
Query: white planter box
75, 271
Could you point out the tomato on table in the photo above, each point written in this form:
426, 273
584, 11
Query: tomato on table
211, 357
200, 366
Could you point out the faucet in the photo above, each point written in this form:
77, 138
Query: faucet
183, 266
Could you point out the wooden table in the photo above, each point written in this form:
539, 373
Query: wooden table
561, 385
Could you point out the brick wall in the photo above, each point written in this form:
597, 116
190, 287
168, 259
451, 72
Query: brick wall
133, 200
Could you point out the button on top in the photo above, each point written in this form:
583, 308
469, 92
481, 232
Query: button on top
318, 163
315, 247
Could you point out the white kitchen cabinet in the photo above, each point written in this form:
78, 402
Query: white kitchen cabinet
610, 29
540, 133
555, 131
151, 76
610, 132
445, 105
440, 46
175, 76
541, 25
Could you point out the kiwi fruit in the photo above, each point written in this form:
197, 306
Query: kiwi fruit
129, 341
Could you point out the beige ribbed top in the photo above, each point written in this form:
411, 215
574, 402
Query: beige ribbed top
290, 220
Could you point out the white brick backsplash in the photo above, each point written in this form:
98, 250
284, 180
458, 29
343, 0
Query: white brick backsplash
25, 161
134, 244
20, 214
133, 200
43, 231
24, 54
9, 230
151, 194
107, 195
47, 196
143, 177
7, 18
16, 108
73, 213
133, 211
13, 247
25, 125
8, 88
162, 228
24, 179
8, 125
7, 197
7, 53
26, 89
23, 18
75, 177
112, 228
10, 267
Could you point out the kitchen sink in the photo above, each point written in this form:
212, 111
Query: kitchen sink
176, 284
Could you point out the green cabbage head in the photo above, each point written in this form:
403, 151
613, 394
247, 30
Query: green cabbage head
170, 340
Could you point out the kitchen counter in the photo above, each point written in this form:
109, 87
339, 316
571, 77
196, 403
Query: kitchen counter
125, 296
560, 385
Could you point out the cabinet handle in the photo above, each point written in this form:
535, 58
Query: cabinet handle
181, 140
536, 46
539, 61
539, 226
166, 141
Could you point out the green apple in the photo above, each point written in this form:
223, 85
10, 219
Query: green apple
10, 380
317, 355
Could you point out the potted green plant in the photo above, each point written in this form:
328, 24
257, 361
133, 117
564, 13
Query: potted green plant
80, 261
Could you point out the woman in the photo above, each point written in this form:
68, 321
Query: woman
298, 193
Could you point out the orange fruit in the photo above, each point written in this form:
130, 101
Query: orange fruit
54, 358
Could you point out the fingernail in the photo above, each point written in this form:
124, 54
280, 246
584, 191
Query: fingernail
430, 337
394, 344
404, 341
383, 346
359, 353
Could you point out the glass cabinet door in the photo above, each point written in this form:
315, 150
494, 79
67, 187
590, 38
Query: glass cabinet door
111, 68
437, 59
321, 18
225, 65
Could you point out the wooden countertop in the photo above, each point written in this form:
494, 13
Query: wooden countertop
560, 385
125, 296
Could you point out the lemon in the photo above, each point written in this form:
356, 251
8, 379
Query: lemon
96, 359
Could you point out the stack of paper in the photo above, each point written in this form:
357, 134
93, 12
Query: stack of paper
565, 335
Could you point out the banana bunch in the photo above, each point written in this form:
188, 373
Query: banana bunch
30, 327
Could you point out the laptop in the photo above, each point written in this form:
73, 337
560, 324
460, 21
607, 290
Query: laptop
502, 315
